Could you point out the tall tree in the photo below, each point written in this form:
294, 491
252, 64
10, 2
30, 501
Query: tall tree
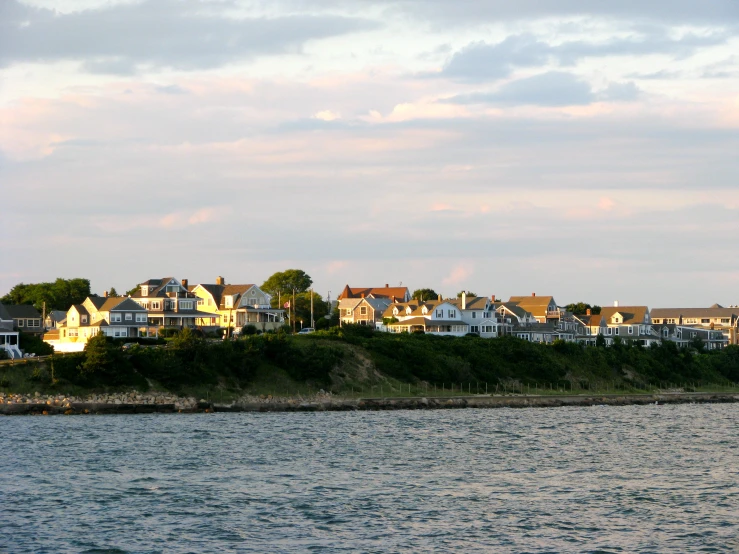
133, 291
112, 293
466, 292
425, 294
284, 282
581, 308
59, 295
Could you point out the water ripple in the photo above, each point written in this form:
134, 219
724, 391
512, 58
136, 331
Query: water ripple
628, 479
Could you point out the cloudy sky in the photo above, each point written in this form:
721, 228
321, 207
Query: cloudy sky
587, 149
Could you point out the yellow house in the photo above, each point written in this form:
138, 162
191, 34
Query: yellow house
237, 305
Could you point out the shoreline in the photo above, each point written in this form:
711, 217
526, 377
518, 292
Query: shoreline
327, 404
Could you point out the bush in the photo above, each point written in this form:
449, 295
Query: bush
249, 330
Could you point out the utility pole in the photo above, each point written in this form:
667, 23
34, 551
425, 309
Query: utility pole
312, 323
293, 307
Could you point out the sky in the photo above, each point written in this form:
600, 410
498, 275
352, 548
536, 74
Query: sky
585, 149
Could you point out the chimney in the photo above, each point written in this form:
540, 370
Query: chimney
464, 300
184, 283
387, 285
492, 299
220, 280
615, 303
589, 312
362, 295
533, 294
393, 299
105, 294
440, 298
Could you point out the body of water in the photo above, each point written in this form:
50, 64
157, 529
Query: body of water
601, 479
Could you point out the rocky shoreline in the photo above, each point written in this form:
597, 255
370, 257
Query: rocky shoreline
134, 402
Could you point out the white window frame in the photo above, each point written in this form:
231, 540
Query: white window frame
140, 318
129, 316
115, 318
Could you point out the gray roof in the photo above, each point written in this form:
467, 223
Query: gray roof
4, 313
22, 311
57, 315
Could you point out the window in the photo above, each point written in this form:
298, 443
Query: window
229, 302
706, 320
140, 318
156, 306
201, 301
451, 314
631, 330
144, 291
186, 305
129, 317
72, 332
363, 310
616, 331
474, 315
115, 318
440, 314
475, 329
83, 319
349, 312
22, 322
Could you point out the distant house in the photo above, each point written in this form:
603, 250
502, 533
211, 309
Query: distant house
117, 317
480, 314
169, 304
395, 294
363, 311
543, 308
684, 336
437, 317
235, 306
9, 336
54, 318
716, 318
25, 317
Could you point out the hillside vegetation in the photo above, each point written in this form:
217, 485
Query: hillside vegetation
355, 357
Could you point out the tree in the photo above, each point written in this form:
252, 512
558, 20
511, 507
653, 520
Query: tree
284, 282
112, 293
465, 292
133, 291
581, 308
59, 295
99, 355
600, 341
425, 294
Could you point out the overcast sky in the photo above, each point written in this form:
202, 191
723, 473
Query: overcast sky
587, 149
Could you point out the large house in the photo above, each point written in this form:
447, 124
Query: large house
9, 337
169, 304
438, 317
25, 317
235, 306
118, 317
716, 318
395, 294
543, 308
480, 314
684, 336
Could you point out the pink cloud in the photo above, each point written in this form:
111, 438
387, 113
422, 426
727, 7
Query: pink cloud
458, 275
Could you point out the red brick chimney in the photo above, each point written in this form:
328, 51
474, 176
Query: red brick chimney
387, 285
533, 294
184, 283
589, 312
492, 298
220, 280
105, 294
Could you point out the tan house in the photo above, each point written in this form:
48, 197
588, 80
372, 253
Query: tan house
235, 306
543, 308
169, 304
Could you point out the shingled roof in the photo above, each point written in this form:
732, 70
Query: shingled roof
399, 293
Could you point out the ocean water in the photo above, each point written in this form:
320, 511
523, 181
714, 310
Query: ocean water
600, 479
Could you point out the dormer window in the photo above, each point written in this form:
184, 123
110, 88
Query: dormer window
408, 310
144, 291
424, 310
229, 301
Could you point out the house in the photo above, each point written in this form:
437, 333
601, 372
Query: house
480, 314
118, 317
235, 306
363, 311
54, 318
716, 317
169, 304
514, 315
9, 337
543, 308
26, 318
684, 336
437, 317
395, 294
545, 333
591, 325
